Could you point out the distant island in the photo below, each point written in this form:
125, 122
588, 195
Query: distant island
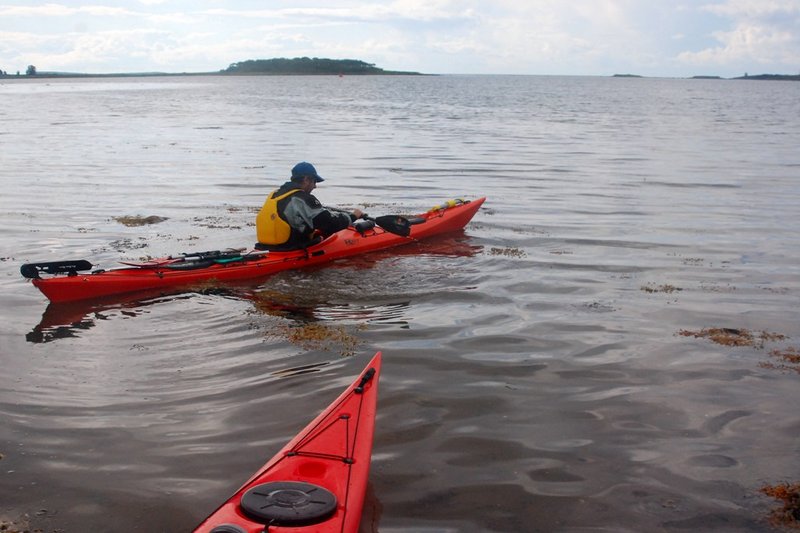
308, 66
276, 67
781, 77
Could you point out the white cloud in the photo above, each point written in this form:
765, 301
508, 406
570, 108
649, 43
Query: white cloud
88, 49
759, 44
59, 10
11, 42
401, 10
753, 8
762, 33
472, 36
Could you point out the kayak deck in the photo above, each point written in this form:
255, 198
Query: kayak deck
317, 482
170, 274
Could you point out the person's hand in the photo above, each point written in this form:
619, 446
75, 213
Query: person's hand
358, 213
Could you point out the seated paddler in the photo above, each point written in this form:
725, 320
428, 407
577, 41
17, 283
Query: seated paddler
292, 218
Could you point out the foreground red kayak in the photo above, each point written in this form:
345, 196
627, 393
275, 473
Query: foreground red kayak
65, 282
316, 482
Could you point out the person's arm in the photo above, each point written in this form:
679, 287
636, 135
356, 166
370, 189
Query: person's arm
306, 218
329, 223
300, 215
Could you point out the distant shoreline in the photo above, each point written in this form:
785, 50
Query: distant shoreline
323, 67
51, 75
56, 75
299, 66
781, 77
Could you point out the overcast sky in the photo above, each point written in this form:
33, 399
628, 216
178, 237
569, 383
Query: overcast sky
583, 37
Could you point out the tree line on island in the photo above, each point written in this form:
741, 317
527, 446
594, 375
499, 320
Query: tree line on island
30, 71
306, 65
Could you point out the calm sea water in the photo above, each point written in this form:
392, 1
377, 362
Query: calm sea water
539, 372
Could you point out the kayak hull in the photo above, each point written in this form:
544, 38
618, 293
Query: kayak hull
331, 454
154, 276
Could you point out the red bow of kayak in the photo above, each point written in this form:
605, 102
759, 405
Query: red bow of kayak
317, 482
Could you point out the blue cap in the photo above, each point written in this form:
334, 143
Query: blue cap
304, 169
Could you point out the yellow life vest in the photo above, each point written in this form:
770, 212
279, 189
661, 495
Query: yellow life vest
270, 227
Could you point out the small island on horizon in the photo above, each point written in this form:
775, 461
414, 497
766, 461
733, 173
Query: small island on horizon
781, 77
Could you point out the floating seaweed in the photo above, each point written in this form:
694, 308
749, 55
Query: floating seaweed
789, 360
214, 222
123, 245
789, 494
317, 336
133, 221
786, 359
734, 336
669, 289
508, 252
20, 525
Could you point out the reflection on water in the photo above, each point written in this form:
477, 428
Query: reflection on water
47, 333
299, 370
65, 320
298, 308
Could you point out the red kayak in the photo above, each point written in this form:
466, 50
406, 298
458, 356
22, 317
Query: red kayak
65, 282
317, 482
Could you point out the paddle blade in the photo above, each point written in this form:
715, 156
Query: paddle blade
32, 270
394, 224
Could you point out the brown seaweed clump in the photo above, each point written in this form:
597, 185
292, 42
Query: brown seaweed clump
134, 221
733, 336
315, 336
789, 359
508, 252
669, 289
213, 222
789, 495
11, 527
17, 526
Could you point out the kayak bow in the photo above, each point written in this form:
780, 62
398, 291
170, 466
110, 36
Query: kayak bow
317, 482
66, 282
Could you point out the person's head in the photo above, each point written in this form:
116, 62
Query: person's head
305, 175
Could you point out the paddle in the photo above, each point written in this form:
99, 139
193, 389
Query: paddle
217, 256
186, 261
32, 270
392, 223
